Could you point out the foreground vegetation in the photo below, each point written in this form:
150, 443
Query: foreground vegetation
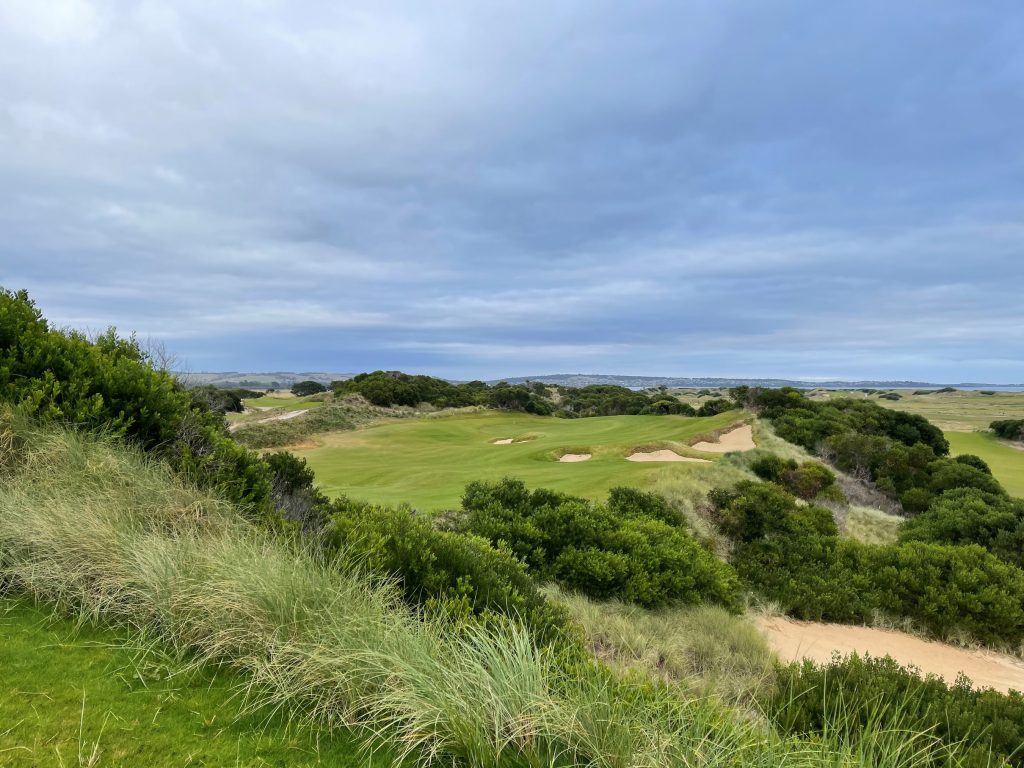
114, 537
76, 695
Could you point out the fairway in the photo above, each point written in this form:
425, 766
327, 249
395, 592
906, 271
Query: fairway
428, 461
1007, 463
960, 411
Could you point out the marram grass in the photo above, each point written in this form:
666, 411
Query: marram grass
99, 530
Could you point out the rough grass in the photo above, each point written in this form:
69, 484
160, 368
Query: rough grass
871, 526
100, 531
76, 695
706, 648
428, 461
1006, 462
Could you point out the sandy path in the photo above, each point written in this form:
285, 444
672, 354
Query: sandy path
569, 458
739, 439
664, 455
279, 417
802, 639
503, 441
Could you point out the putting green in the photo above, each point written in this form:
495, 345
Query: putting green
428, 461
1006, 462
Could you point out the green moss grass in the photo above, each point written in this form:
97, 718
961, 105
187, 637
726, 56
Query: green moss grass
78, 696
428, 461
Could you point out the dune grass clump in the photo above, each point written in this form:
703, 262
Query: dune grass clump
102, 531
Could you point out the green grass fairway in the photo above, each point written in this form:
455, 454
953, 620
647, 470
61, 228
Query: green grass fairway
287, 403
1007, 463
428, 461
74, 697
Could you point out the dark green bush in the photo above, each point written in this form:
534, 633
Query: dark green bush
715, 406
461, 574
633, 548
1009, 429
792, 554
307, 388
972, 516
110, 383
986, 726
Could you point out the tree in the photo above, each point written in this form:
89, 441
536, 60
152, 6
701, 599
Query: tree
307, 388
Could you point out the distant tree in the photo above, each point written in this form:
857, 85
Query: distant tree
307, 388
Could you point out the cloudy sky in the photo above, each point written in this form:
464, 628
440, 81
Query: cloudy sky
694, 188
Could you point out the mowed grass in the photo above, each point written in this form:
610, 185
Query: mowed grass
1006, 462
428, 461
74, 696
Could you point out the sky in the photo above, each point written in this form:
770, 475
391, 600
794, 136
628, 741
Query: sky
758, 188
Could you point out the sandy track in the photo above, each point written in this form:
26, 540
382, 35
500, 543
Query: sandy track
279, 417
801, 639
570, 458
739, 439
503, 441
663, 455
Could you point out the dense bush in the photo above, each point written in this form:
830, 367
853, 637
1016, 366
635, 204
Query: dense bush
855, 692
307, 388
460, 574
792, 554
972, 516
807, 422
632, 548
222, 400
387, 388
808, 480
1009, 429
109, 383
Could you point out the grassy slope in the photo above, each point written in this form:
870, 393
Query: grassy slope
68, 691
287, 403
427, 462
1007, 463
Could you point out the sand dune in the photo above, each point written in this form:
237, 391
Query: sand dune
739, 439
801, 639
663, 455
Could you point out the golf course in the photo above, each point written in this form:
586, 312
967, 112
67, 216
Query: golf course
1005, 461
427, 462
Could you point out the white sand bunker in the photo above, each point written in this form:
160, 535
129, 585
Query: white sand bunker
664, 455
569, 458
502, 441
739, 439
802, 639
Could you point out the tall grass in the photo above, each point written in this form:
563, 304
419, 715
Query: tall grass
706, 648
101, 531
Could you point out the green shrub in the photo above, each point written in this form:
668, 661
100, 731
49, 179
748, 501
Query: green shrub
632, 548
855, 692
110, 384
461, 574
1009, 429
971, 516
307, 388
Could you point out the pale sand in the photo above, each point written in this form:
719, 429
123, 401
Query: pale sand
568, 458
664, 455
802, 639
503, 441
739, 439
279, 417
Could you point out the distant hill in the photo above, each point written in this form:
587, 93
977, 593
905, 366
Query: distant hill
266, 380
285, 379
585, 379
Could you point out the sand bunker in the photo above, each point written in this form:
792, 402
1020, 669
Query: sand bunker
502, 441
739, 439
801, 639
568, 458
664, 455
235, 425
